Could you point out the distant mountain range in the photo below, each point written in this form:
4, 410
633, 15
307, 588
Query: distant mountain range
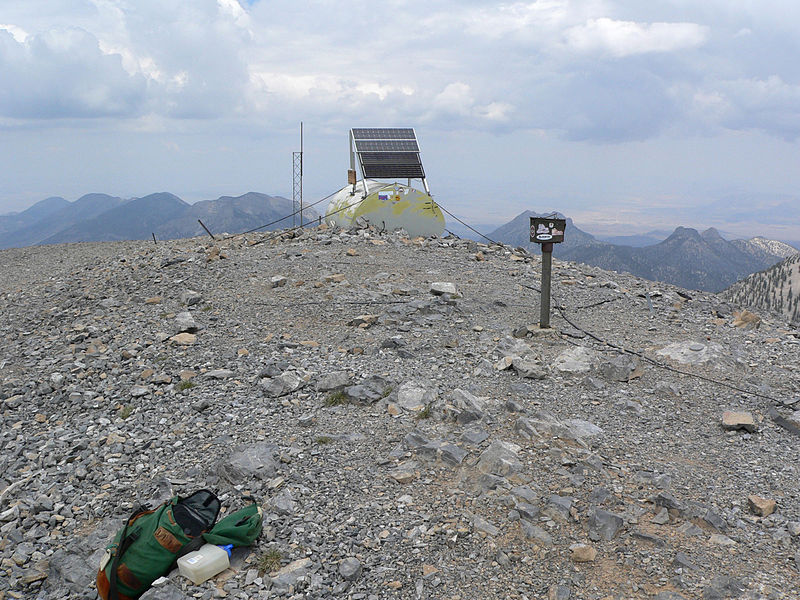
637, 240
776, 289
687, 258
100, 217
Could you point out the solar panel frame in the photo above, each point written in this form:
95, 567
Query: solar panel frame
385, 153
388, 153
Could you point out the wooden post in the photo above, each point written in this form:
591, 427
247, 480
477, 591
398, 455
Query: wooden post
547, 231
547, 264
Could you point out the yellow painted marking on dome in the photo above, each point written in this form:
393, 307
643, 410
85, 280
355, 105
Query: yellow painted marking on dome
400, 207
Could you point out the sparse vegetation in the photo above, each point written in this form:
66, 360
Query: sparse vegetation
336, 398
389, 389
125, 411
206, 308
269, 561
186, 385
324, 439
774, 289
425, 413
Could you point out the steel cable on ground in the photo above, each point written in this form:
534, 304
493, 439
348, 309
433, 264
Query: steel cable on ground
641, 355
777, 418
773, 413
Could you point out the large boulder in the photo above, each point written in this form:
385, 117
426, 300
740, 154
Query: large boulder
623, 367
283, 384
250, 462
500, 459
414, 396
463, 407
694, 353
575, 361
368, 391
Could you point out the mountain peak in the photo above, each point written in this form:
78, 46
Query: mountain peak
711, 234
683, 233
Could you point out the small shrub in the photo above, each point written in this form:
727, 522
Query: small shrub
336, 398
389, 389
269, 561
324, 439
186, 385
125, 411
425, 413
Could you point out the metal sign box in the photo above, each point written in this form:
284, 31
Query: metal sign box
547, 231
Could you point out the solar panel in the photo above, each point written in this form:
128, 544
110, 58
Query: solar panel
387, 145
383, 133
391, 165
388, 153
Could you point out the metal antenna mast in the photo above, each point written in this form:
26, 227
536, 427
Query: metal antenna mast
297, 180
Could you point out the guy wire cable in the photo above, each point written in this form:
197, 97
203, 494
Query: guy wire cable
281, 219
439, 204
302, 225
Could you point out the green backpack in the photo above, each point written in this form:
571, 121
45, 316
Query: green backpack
152, 540
240, 528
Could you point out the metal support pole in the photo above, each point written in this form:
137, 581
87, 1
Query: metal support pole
297, 182
301, 173
547, 264
297, 186
207, 230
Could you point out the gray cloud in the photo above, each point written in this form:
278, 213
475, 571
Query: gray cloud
600, 87
63, 74
609, 103
593, 70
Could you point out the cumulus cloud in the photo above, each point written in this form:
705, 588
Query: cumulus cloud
771, 105
64, 73
20, 35
584, 69
624, 38
456, 98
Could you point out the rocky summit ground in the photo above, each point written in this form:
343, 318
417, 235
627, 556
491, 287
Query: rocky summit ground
408, 429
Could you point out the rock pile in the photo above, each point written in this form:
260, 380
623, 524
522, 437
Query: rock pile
408, 431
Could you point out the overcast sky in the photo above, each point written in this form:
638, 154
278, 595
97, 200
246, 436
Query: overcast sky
644, 114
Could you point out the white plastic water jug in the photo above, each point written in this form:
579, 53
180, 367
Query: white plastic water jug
204, 563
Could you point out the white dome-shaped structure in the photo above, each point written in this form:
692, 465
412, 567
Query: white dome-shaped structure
387, 206
386, 153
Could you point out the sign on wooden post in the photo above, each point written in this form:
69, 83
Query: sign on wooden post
546, 232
